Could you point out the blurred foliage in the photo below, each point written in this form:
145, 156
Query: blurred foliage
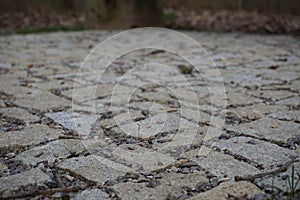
169, 16
50, 29
262, 16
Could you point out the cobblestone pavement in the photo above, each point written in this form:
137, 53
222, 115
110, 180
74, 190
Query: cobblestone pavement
45, 154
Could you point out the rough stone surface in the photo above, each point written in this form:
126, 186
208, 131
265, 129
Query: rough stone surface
93, 194
227, 190
223, 166
272, 94
66, 119
269, 155
293, 116
158, 124
58, 149
171, 186
20, 114
254, 111
30, 135
292, 102
33, 177
94, 168
142, 158
42, 101
147, 124
268, 128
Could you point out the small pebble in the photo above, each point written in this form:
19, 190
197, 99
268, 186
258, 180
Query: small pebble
132, 175
204, 187
130, 148
55, 155
159, 163
159, 175
185, 170
10, 155
214, 181
209, 175
174, 169
73, 151
153, 183
51, 184
130, 141
145, 112
110, 183
146, 173
182, 161
150, 177
224, 136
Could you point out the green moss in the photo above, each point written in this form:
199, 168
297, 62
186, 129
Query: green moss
169, 16
185, 69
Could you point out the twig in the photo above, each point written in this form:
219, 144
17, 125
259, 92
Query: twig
36, 192
269, 173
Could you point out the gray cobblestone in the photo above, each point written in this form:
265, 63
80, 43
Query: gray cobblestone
124, 134
30, 135
31, 178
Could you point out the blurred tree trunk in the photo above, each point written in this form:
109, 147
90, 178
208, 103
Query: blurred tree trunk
122, 14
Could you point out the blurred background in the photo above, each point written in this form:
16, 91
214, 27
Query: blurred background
255, 16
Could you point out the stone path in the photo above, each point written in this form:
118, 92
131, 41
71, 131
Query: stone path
141, 133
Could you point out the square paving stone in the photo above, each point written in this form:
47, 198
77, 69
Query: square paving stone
261, 153
158, 124
240, 98
58, 149
291, 102
94, 168
11, 87
223, 165
236, 190
20, 114
172, 186
195, 116
96, 91
30, 178
92, 194
269, 129
42, 101
142, 158
290, 115
255, 111
67, 119
272, 94
30, 135
53, 84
